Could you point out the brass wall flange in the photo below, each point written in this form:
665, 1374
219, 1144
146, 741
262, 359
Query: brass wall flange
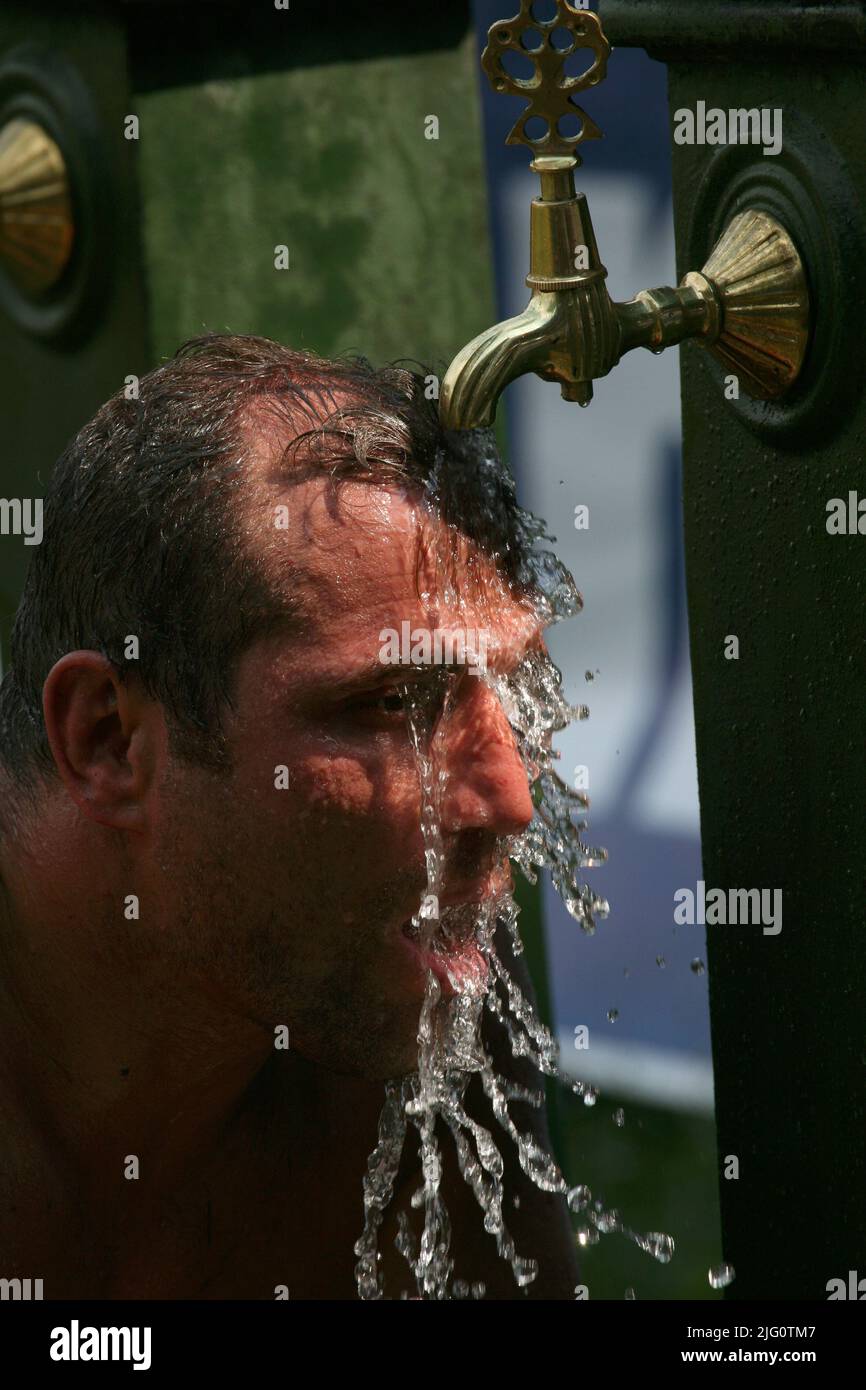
808, 190
36, 226
58, 203
758, 274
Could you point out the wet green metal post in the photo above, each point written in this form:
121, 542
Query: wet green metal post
780, 741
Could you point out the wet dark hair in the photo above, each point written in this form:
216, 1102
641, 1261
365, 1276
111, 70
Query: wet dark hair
143, 536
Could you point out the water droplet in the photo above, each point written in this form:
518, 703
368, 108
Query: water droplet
619, 1118
661, 962
578, 1197
607, 1221
660, 1246
629, 1293
588, 675
698, 966
590, 1095
612, 1015
721, 1276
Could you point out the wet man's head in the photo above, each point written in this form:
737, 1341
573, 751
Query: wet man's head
198, 710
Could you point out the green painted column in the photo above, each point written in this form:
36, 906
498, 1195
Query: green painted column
780, 740
65, 353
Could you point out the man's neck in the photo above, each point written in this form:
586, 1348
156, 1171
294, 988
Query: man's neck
121, 1056
120, 1051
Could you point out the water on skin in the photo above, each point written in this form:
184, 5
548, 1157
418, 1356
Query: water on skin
450, 1046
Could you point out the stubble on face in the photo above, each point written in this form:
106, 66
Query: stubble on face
255, 921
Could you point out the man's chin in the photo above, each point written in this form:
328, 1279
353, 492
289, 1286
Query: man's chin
390, 1061
370, 1058
390, 1066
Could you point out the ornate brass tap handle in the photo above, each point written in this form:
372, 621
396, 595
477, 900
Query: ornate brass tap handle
551, 91
749, 305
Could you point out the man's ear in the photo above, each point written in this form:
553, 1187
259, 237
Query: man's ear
108, 739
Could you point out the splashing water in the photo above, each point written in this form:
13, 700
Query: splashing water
460, 941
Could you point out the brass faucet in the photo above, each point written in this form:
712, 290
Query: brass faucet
749, 305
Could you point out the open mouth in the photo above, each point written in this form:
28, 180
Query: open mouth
451, 946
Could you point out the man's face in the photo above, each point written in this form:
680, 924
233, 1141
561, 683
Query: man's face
295, 896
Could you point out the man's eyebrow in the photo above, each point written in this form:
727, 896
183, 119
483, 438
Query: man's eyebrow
375, 673
394, 673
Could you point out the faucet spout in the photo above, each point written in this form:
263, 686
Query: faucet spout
568, 331
484, 367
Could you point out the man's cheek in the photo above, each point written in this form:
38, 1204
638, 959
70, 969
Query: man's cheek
327, 787
361, 794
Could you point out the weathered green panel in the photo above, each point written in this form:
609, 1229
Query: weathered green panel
780, 743
386, 230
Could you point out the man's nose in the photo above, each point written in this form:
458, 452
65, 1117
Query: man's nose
486, 786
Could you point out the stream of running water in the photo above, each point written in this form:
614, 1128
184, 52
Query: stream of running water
451, 1050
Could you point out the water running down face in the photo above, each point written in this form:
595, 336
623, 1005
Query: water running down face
456, 945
